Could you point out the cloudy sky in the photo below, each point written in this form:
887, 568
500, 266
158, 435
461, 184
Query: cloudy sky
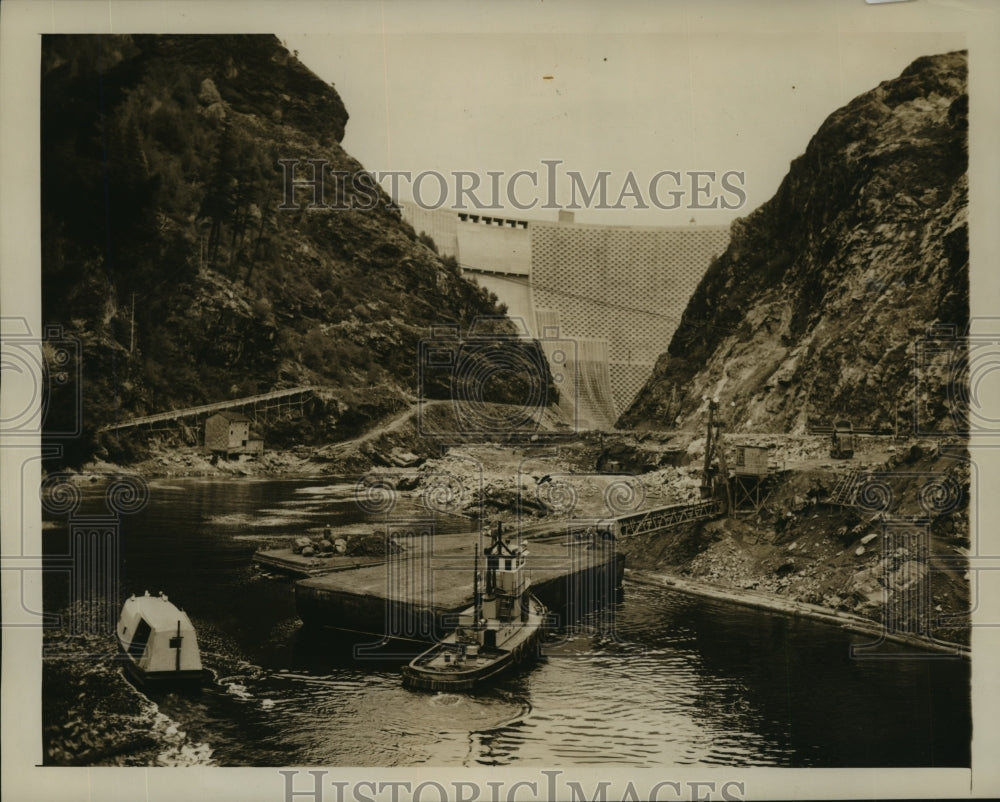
639, 93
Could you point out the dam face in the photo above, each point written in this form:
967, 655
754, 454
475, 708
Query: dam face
616, 293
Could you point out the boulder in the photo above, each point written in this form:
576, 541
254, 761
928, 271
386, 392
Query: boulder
402, 458
216, 112
407, 482
208, 93
909, 573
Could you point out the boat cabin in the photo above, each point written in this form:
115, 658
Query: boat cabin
158, 639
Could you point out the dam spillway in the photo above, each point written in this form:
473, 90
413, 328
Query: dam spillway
616, 292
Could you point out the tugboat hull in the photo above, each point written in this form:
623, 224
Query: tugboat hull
448, 666
429, 680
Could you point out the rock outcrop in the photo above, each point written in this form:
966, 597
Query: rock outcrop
174, 259
815, 309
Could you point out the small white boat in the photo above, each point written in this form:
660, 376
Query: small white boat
159, 644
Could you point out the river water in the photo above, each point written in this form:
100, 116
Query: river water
658, 678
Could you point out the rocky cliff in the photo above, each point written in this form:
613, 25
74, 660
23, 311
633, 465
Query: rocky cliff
167, 258
814, 310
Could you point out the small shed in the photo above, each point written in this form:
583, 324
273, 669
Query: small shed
752, 481
751, 461
228, 433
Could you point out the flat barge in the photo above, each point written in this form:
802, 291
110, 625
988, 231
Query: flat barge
288, 562
420, 594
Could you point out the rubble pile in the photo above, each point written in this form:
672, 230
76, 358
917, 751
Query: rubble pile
363, 544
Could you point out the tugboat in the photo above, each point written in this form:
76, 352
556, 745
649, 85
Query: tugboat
501, 629
159, 644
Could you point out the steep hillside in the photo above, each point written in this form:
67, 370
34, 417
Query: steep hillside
167, 258
814, 310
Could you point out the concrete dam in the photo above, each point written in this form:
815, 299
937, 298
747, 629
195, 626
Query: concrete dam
614, 293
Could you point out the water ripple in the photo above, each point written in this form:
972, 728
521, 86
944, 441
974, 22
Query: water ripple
667, 680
